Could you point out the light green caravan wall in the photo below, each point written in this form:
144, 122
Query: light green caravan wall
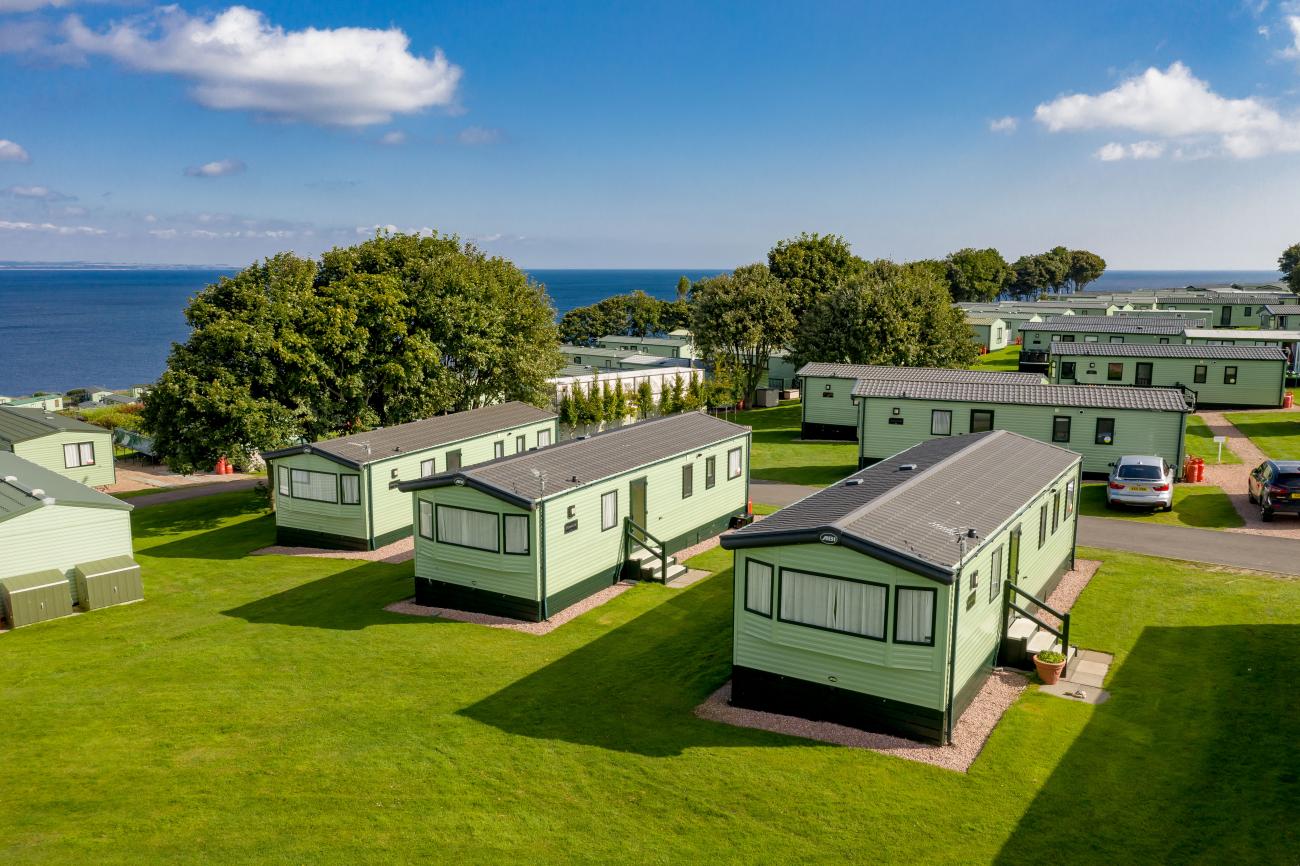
572, 557
818, 408
900, 672
991, 337
327, 517
511, 574
62, 537
1238, 316
1136, 431
392, 507
1148, 313
1259, 383
1040, 340
47, 451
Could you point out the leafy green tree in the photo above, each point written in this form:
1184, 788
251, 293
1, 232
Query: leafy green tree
678, 391
1056, 265
683, 288
1085, 267
694, 393
811, 265
1030, 277
394, 329
635, 314
568, 411
620, 402
1289, 264
891, 315
645, 399
743, 317
608, 409
583, 326
665, 400
977, 275
594, 404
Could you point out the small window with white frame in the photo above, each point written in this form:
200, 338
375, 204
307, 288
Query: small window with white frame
79, 454
735, 463
941, 422
426, 467
608, 510
543, 438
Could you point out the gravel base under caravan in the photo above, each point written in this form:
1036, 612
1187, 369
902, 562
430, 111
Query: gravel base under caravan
402, 550
410, 608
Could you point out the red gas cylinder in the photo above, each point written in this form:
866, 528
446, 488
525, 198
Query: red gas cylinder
220, 468
1189, 469
1198, 469
1287, 401
749, 508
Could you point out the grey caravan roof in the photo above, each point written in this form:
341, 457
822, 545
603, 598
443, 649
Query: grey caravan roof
359, 449
19, 423
579, 462
25, 486
1076, 396
1175, 350
1114, 325
1283, 309
912, 517
914, 374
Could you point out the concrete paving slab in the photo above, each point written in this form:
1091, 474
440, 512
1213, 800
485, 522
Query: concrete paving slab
1070, 692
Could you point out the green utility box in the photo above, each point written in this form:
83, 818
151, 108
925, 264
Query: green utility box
35, 597
106, 582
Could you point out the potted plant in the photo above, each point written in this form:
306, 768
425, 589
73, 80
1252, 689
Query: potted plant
1049, 665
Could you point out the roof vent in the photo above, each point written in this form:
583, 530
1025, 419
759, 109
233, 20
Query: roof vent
853, 482
10, 479
573, 479
37, 492
907, 467
49, 500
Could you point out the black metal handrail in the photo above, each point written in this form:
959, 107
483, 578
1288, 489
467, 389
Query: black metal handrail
1062, 633
628, 535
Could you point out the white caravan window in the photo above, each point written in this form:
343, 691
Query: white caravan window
608, 510
543, 438
282, 474
465, 528
426, 519
426, 468
835, 604
914, 616
517, 534
758, 587
317, 486
734, 462
350, 489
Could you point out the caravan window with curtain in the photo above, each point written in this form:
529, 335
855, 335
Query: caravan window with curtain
426, 519
80, 454
350, 489
758, 587
914, 616
608, 510
464, 527
426, 468
282, 475
317, 486
516, 526
834, 603
735, 462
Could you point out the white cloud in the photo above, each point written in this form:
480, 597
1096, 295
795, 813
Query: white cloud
395, 137
12, 151
369, 231
8, 226
43, 193
1004, 124
348, 76
29, 5
1293, 24
1137, 150
1174, 104
477, 135
219, 168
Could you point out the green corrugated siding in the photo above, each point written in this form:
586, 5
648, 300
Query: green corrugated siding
47, 451
478, 569
912, 674
574, 556
1259, 383
835, 409
61, 537
1237, 312
1136, 431
327, 517
1040, 340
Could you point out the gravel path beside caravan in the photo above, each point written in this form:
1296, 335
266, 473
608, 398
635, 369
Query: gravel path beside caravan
402, 550
410, 608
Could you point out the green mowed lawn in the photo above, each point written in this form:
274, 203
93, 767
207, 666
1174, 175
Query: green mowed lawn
1004, 360
778, 457
1203, 506
268, 710
1277, 434
1200, 443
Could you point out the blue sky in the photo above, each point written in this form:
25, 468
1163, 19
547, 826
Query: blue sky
1162, 135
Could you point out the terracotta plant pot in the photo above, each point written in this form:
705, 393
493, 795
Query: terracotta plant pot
1049, 673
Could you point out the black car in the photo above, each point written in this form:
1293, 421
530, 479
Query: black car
1275, 486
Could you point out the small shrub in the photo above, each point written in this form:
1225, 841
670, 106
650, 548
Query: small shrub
1050, 657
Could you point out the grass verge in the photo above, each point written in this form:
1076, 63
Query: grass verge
1204, 507
1200, 443
777, 456
1277, 434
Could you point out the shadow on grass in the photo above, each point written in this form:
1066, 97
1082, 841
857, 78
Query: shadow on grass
231, 541
194, 515
348, 600
1193, 760
635, 688
1278, 439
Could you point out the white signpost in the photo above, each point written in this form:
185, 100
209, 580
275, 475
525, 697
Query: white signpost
1219, 440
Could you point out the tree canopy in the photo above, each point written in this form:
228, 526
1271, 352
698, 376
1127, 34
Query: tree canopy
1085, 267
900, 315
977, 275
812, 265
635, 314
397, 328
741, 318
1289, 264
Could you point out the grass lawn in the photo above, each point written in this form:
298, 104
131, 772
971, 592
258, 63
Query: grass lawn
1200, 443
1277, 434
1194, 505
778, 457
762, 509
269, 710
1004, 360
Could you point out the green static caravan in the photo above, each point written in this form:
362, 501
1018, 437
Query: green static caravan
1101, 424
1196, 315
342, 493
827, 392
828, 411
881, 602
1101, 329
1287, 341
51, 525
532, 534
1227, 309
1081, 307
664, 347
782, 374
1281, 317
988, 332
1012, 315
74, 449
1214, 375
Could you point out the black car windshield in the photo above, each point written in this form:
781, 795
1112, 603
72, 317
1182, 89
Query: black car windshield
1143, 473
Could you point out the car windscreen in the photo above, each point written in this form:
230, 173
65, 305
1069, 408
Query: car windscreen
1143, 473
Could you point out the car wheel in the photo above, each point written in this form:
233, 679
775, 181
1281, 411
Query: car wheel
1266, 514
1169, 507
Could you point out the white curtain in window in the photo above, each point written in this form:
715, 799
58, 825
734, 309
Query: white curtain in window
734, 462
282, 474
351, 485
758, 587
87, 453
426, 519
941, 422
467, 528
516, 533
426, 468
915, 615
314, 485
609, 510
842, 605
71, 456
543, 438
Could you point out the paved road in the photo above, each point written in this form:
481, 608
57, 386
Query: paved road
1261, 553
192, 492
